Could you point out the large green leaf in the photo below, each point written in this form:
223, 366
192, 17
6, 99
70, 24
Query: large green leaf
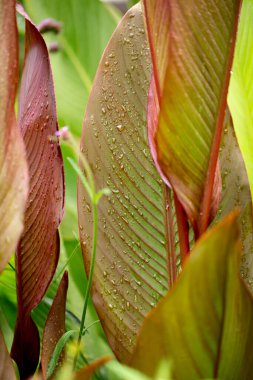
131, 266
191, 94
13, 167
240, 96
205, 323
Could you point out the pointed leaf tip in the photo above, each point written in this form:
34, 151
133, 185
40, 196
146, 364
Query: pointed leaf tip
207, 318
38, 249
131, 265
55, 326
192, 63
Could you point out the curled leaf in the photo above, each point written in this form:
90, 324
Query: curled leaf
191, 93
38, 249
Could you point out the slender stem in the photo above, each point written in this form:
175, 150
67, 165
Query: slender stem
12, 267
183, 229
169, 236
89, 283
86, 166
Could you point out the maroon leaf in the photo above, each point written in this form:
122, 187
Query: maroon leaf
7, 371
55, 325
13, 167
38, 250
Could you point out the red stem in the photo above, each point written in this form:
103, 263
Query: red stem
208, 189
169, 236
183, 229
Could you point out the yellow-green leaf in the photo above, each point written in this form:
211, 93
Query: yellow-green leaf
240, 96
191, 94
205, 323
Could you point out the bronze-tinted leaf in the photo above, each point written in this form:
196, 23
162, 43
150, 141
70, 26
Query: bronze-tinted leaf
38, 250
87, 372
131, 271
55, 325
206, 320
13, 167
192, 95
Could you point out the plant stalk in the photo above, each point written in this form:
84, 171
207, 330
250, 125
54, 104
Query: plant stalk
183, 229
89, 283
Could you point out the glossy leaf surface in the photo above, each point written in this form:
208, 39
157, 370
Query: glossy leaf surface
54, 326
6, 367
13, 167
38, 250
240, 97
207, 318
131, 265
192, 95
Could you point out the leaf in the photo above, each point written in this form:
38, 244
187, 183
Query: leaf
236, 193
117, 371
6, 367
54, 328
240, 96
87, 372
13, 167
131, 265
38, 249
207, 318
191, 92
56, 353
81, 45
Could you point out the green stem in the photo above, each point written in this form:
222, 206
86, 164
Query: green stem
75, 148
89, 283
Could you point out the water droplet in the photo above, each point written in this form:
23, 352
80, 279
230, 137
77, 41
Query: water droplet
120, 127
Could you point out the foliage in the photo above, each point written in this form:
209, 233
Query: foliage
163, 164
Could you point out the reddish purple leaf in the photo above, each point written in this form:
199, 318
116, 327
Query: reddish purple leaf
7, 371
38, 250
13, 167
55, 325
